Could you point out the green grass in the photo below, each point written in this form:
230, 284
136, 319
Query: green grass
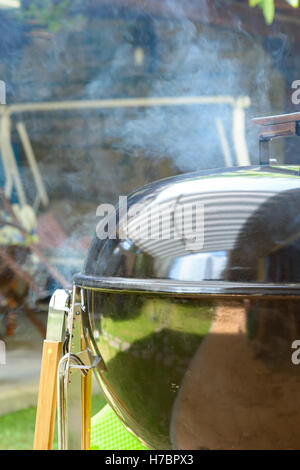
17, 429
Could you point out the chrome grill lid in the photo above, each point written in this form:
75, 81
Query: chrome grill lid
251, 233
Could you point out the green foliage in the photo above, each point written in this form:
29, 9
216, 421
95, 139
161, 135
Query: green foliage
53, 16
268, 7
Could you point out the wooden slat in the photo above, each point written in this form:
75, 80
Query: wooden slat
46, 409
86, 405
86, 401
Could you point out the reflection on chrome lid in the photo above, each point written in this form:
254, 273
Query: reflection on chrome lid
250, 229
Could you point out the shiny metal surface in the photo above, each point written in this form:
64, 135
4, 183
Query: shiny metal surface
58, 308
73, 366
187, 288
197, 343
251, 221
200, 372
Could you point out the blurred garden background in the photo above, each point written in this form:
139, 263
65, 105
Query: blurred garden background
69, 143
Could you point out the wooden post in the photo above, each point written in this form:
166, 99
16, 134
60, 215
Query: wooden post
86, 401
86, 405
46, 408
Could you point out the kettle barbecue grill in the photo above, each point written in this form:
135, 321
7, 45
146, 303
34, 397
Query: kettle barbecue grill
192, 343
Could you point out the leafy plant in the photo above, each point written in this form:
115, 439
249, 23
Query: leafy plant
53, 15
268, 7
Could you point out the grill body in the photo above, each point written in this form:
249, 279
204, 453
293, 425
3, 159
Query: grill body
197, 333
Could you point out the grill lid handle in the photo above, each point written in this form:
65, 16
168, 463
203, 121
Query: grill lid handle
270, 127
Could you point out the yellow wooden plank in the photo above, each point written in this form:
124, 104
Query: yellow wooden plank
46, 408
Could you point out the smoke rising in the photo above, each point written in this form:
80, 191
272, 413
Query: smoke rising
188, 60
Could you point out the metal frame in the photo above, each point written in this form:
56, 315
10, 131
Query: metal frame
186, 288
72, 374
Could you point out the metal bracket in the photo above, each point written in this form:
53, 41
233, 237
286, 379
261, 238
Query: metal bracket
73, 374
59, 307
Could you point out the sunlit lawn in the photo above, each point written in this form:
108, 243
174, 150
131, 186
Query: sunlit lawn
17, 429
